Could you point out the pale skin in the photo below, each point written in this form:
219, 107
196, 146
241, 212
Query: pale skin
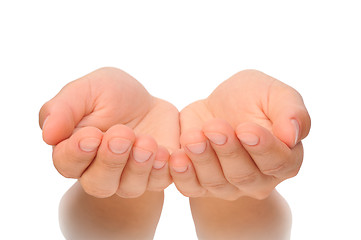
227, 153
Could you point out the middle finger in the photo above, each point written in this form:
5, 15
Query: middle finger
206, 163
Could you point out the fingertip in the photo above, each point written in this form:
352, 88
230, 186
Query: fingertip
305, 124
194, 135
56, 130
249, 134
161, 158
88, 132
146, 142
296, 128
288, 131
68, 156
56, 121
119, 138
43, 127
249, 139
292, 125
179, 161
43, 114
43, 119
120, 130
218, 131
162, 154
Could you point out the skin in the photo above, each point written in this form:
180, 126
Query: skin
243, 140
99, 125
236, 146
83, 216
243, 219
240, 142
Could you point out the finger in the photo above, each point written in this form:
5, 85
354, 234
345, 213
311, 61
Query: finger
166, 130
134, 179
73, 155
102, 177
194, 115
59, 116
206, 163
272, 156
184, 176
238, 167
160, 178
99, 91
287, 111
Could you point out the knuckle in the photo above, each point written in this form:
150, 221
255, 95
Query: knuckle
202, 161
262, 195
229, 154
155, 188
243, 179
67, 160
275, 171
157, 177
194, 194
293, 172
214, 185
96, 191
285, 167
76, 161
158, 186
113, 164
232, 197
129, 194
139, 173
66, 172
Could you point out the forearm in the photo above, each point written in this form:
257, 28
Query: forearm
82, 216
245, 218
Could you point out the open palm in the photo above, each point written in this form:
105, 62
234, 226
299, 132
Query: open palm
243, 139
105, 128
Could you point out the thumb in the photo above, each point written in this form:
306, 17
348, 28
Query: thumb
193, 116
59, 116
287, 111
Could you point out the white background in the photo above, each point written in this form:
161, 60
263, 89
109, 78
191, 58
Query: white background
180, 51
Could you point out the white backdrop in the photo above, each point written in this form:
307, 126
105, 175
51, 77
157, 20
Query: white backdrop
180, 51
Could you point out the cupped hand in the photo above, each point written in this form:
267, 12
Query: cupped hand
105, 129
243, 140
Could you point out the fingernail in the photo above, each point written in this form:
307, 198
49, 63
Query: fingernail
216, 138
89, 144
119, 145
42, 127
141, 155
248, 138
197, 148
180, 169
158, 164
297, 128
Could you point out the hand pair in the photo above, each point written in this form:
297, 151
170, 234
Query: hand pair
112, 135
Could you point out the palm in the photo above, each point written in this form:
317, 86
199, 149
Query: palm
107, 97
162, 123
227, 159
127, 102
103, 108
240, 99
